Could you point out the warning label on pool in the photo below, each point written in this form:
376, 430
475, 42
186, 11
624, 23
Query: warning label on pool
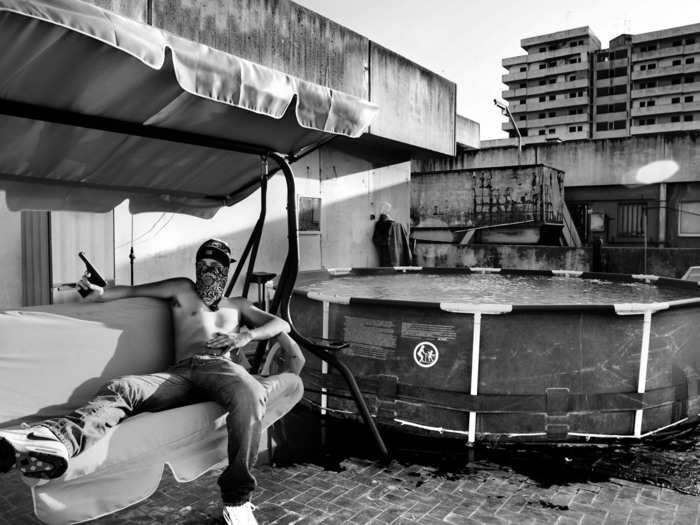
372, 338
422, 331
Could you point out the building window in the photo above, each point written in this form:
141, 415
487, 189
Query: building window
650, 66
572, 129
551, 131
523, 69
552, 114
552, 97
542, 132
574, 60
522, 85
689, 218
620, 124
675, 81
642, 103
675, 100
572, 78
542, 66
543, 99
687, 118
689, 98
690, 60
651, 103
602, 92
630, 219
542, 115
310, 214
675, 118
523, 101
601, 126
619, 90
579, 128
676, 62
620, 53
542, 82
552, 80
551, 64
643, 67
542, 49
677, 43
522, 117
602, 57
689, 79
689, 41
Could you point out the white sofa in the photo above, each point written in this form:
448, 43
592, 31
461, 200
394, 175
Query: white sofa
54, 358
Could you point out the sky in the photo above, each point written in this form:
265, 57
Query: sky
465, 40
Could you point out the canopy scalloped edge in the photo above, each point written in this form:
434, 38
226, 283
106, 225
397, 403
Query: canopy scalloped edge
207, 72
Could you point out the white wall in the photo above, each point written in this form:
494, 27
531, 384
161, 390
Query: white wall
10, 257
165, 244
352, 190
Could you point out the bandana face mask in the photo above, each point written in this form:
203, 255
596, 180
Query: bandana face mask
211, 282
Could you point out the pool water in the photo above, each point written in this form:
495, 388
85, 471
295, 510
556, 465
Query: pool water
497, 289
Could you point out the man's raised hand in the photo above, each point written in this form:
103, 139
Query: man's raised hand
93, 291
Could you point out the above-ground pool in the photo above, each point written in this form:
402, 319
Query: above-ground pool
485, 354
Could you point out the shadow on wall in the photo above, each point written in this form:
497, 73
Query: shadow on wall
345, 238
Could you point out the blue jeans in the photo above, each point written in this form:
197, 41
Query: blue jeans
200, 378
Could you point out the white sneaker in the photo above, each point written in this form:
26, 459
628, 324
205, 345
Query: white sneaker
36, 452
240, 514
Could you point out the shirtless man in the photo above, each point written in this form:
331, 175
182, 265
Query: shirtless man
209, 331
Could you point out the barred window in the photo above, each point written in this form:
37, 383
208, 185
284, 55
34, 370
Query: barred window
630, 219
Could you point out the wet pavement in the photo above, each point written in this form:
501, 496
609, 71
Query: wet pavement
434, 482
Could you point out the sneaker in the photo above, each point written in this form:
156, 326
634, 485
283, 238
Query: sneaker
240, 514
35, 451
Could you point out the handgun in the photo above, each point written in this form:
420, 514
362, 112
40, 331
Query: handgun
93, 275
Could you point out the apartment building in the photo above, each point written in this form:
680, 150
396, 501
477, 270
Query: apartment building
642, 84
549, 87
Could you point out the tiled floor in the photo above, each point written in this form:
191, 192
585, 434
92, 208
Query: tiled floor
519, 486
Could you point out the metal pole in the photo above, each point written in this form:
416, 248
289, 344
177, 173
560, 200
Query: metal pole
644, 225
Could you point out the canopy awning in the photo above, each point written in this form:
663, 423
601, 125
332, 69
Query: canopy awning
96, 108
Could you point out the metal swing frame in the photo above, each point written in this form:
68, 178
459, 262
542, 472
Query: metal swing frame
281, 300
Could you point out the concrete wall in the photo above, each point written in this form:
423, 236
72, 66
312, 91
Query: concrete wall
351, 190
417, 107
10, 256
507, 256
592, 162
666, 262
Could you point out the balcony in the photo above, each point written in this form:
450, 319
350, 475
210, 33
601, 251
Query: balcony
561, 134
551, 104
665, 127
667, 71
546, 55
610, 134
547, 122
508, 78
610, 117
666, 52
610, 99
668, 89
663, 109
611, 64
568, 85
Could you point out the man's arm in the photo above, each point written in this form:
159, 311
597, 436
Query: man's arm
291, 359
166, 289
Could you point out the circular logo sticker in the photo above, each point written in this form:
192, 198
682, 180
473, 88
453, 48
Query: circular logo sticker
425, 354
